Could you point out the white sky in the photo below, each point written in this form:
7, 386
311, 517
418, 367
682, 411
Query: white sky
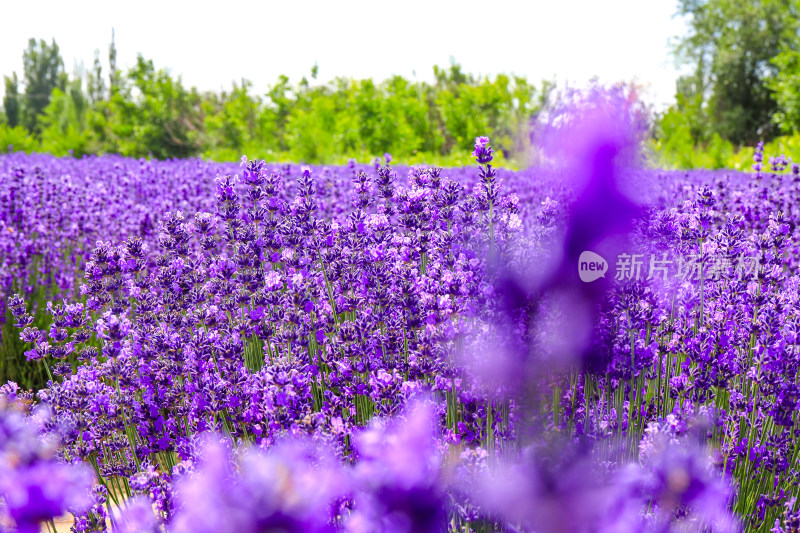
211, 44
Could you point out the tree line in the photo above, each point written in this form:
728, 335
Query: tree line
146, 111
742, 83
742, 86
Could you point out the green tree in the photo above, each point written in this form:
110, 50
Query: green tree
95, 85
231, 121
730, 47
64, 122
11, 100
154, 114
43, 72
278, 109
114, 75
786, 87
465, 105
147, 112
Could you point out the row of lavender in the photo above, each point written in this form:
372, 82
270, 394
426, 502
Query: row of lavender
53, 211
407, 351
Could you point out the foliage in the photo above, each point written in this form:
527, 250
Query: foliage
677, 152
16, 139
43, 72
64, 122
675, 147
782, 146
786, 87
11, 100
730, 46
153, 114
147, 112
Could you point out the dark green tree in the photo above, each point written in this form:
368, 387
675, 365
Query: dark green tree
113, 73
95, 86
43, 72
231, 119
786, 86
730, 47
11, 100
156, 115
278, 109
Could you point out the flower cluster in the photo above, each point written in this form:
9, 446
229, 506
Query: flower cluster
35, 487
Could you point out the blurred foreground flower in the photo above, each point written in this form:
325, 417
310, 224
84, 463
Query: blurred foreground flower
291, 488
35, 486
399, 476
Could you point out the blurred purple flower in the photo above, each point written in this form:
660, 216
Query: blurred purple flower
290, 488
398, 475
34, 485
138, 517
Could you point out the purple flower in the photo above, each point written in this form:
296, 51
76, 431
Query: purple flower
138, 517
34, 485
290, 488
681, 484
482, 152
399, 476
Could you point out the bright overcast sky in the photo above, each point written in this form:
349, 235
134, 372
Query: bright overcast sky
211, 44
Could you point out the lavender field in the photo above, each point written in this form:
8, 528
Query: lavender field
584, 346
